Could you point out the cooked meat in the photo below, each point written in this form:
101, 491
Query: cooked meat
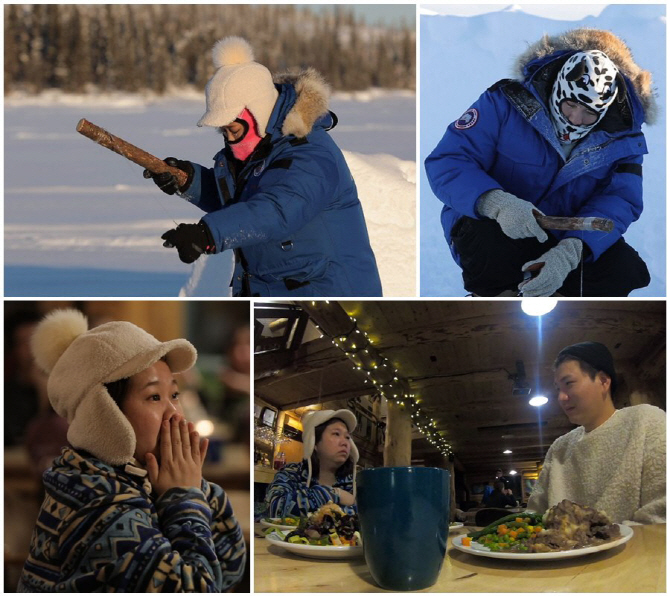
569, 525
329, 509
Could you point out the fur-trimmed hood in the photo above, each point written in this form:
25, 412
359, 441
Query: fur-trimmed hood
312, 96
595, 39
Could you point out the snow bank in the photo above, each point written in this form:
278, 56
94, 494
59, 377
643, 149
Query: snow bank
387, 190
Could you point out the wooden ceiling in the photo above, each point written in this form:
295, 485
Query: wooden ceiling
458, 357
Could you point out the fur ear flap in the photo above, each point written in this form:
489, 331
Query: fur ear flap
54, 334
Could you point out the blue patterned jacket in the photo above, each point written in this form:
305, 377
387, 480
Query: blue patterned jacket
100, 530
289, 494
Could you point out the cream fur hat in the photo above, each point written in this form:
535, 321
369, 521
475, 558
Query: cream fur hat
79, 362
238, 83
313, 419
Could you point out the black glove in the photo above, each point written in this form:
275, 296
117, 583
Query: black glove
166, 181
190, 240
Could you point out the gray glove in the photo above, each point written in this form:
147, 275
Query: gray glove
558, 262
514, 215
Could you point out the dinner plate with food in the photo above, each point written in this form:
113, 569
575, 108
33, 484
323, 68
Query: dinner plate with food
328, 533
280, 523
455, 525
565, 530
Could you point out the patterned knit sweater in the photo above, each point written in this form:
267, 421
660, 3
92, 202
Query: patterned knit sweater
101, 530
289, 494
618, 468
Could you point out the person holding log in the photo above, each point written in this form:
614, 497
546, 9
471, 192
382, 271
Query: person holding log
563, 139
280, 193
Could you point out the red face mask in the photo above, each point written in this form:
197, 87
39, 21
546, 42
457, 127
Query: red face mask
243, 147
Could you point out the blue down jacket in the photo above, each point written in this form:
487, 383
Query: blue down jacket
507, 140
292, 212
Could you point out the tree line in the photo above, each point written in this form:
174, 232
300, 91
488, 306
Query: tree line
152, 47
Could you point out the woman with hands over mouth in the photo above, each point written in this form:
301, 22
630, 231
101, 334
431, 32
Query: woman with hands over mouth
126, 506
167, 444
181, 457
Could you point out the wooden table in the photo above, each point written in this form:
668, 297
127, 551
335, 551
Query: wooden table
637, 566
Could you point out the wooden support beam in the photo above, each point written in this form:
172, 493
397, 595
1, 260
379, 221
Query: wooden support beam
398, 443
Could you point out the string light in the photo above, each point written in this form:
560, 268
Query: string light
355, 344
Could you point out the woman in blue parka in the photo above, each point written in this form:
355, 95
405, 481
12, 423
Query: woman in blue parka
280, 193
565, 140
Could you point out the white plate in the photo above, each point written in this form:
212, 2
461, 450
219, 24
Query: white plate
455, 526
274, 523
482, 551
317, 552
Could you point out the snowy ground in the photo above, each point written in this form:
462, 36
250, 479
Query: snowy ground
481, 50
81, 221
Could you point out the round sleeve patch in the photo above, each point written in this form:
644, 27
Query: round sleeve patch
467, 120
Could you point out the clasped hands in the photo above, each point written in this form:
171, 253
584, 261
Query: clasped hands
182, 454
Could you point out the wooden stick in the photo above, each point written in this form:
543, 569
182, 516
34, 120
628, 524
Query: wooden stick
587, 224
125, 149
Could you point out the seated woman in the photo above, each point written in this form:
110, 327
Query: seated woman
126, 507
327, 472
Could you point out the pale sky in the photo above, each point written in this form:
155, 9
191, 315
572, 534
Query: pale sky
563, 12
374, 14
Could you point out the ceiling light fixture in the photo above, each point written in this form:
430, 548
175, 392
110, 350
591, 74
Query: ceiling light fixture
507, 451
536, 307
538, 400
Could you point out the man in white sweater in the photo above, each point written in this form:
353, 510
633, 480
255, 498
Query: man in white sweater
615, 460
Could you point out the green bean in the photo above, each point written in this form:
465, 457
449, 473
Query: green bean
534, 519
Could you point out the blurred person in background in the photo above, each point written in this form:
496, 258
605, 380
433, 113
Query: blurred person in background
21, 382
236, 377
46, 433
126, 506
500, 497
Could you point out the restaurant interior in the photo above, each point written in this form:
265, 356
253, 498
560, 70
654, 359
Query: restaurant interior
463, 385
214, 395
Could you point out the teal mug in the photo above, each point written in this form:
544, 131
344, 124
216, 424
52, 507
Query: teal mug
404, 517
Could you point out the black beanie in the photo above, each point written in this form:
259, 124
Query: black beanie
595, 354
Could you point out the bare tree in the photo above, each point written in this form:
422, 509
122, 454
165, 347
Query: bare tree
155, 47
